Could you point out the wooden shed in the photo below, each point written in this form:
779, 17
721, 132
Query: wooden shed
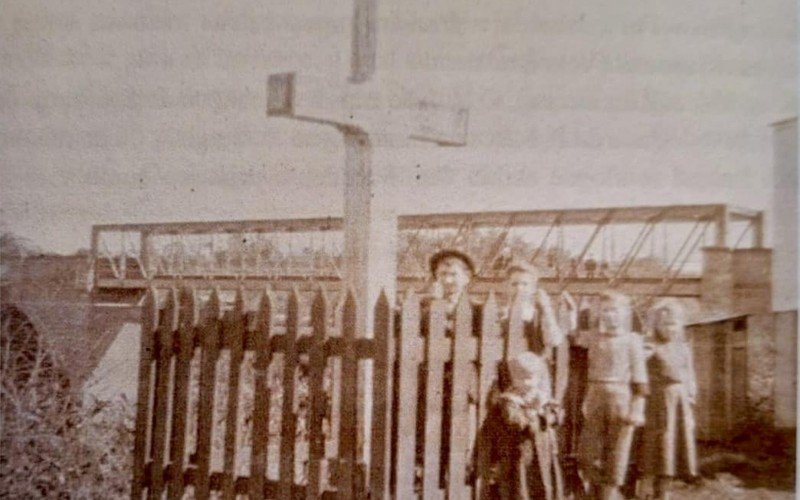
720, 358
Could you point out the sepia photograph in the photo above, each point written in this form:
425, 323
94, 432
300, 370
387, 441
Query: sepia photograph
399, 249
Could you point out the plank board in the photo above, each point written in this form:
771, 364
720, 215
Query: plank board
335, 379
381, 393
233, 331
188, 318
288, 418
349, 396
463, 356
491, 351
410, 354
208, 370
437, 355
319, 319
163, 352
261, 396
149, 329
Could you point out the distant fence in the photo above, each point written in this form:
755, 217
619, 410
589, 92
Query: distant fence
207, 413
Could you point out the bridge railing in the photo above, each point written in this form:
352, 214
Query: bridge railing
580, 250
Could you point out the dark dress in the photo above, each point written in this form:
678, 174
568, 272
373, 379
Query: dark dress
669, 433
524, 464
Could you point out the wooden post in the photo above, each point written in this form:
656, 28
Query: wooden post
722, 227
144, 252
362, 62
758, 230
370, 253
370, 228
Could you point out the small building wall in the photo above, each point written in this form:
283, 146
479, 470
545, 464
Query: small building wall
785, 369
783, 220
761, 355
720, 358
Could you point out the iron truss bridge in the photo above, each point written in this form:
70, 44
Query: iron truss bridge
642, 251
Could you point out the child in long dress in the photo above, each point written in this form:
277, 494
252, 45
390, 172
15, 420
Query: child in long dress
519, 433
670, 427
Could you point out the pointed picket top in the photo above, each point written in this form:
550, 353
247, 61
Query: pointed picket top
265, 307
349, 312
319, 309
150, 309
189, 311
293, 311
238, 303
171, 311
383, 301
383, 315
214, 306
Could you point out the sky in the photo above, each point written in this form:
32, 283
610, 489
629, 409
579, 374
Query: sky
155, 111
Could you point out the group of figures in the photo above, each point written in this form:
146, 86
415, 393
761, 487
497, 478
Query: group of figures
583, 414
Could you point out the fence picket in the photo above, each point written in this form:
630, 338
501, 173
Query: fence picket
410, 350
261, 396
349, 396
163, 353
208, 369
149, 329
288, 419
316, 446
437, 355
183, 358
406, 360
491, 351
234, 341
381, 387
464, 381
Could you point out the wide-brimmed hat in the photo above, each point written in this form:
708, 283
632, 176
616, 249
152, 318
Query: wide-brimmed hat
450, 253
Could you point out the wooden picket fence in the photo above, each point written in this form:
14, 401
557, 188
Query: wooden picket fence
199, 432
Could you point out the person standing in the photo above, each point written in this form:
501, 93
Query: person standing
669, 432
518, 432
545, 333
452, 272
525, 404
614, 403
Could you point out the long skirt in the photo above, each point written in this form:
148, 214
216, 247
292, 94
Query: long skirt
669, 433
519, 465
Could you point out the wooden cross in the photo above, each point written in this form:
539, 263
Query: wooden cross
376, 123
374, 120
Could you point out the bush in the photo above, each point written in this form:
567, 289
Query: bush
52, 444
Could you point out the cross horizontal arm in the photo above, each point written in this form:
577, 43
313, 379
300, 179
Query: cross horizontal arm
373, 107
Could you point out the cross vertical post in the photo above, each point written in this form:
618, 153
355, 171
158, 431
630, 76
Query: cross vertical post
374, 127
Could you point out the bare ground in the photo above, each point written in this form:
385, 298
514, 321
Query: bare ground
756, 467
